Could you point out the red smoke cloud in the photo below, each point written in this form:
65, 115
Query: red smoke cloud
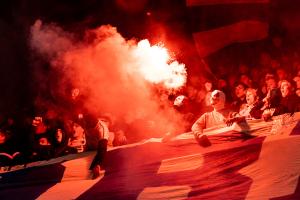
105, 67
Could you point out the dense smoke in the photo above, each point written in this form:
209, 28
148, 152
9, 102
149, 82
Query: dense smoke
103, 65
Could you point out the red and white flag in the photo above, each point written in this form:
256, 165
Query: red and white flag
219, 23
263, 166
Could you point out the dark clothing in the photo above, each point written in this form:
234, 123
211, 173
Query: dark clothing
9, 155
290, 103
275, 102
187, 115
42, 152
62, 148
236, 105
101, 151
74, 110
256, 111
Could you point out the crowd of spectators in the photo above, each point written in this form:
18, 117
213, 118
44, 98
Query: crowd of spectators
265, 87
270, 81
55, 131
253, 92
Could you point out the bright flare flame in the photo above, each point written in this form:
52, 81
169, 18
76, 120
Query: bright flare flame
156, 66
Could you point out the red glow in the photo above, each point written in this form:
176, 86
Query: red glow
114, 73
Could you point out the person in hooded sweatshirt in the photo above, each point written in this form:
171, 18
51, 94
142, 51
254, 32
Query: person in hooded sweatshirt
218, 116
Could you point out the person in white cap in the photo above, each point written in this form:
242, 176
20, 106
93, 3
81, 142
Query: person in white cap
209, 119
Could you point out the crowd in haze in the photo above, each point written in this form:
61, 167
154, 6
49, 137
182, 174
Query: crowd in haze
275, 68
255, 92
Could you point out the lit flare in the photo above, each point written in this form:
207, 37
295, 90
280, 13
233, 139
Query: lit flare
156, 66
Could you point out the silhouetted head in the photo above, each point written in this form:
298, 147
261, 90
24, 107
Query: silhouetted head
275, 97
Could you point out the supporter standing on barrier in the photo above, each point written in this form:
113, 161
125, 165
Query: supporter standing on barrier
209, 119
101, 135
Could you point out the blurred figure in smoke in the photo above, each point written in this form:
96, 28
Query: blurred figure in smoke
73, 106
99, 137
41, 142
195, 99
77, 103
75, 115
119, 138
209, 119
60, 143
180, 100
77, 138
187, 117
100, 132
75, 93
183, 106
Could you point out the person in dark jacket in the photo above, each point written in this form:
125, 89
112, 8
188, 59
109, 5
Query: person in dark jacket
240, 97
290, 101
272, 104
60, 143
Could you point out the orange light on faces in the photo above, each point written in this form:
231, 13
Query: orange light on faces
156, 66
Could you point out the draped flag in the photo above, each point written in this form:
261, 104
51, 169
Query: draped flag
219, 23
253, 160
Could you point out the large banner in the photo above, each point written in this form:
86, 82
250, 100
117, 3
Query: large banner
253, 160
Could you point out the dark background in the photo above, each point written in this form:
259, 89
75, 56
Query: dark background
133, 18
